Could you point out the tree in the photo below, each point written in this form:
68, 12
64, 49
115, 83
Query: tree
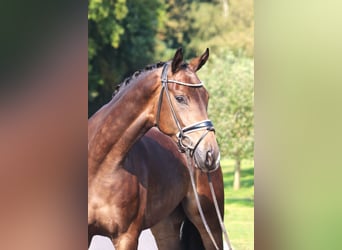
229, 79
105, 30
122, 38
217, 29
177, 29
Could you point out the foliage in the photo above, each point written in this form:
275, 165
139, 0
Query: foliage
105, 28
216, 30
122, 38
177, 29
229, 79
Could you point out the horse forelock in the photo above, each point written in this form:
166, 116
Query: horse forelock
135, 75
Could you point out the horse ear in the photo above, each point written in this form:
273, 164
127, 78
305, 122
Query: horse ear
198, 62
177, 60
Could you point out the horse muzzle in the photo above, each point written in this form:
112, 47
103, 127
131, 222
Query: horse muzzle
207, 161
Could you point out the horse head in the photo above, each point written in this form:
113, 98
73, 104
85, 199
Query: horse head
182, 110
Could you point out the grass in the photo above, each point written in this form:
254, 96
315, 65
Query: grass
239, 205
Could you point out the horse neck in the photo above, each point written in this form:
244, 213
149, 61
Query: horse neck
114, 129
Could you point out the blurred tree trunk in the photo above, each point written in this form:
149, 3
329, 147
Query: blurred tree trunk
237, 171
225, 8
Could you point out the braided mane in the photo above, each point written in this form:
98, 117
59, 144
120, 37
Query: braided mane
135, 75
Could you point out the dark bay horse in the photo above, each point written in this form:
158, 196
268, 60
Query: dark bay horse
167, 95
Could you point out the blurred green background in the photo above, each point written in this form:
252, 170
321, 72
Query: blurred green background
126, 35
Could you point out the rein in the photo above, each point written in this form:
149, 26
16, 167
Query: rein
184, 141
200, 210
219, 217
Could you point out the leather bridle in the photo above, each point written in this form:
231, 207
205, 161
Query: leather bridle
184, 141
186, 145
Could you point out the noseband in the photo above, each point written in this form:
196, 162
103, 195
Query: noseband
184, 141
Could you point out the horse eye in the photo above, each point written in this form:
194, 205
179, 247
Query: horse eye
180, 99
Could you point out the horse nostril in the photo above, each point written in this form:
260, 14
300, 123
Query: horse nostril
209, 159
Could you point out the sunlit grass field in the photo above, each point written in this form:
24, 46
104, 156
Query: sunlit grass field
239, 205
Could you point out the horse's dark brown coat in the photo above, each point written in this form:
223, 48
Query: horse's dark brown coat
124, 191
